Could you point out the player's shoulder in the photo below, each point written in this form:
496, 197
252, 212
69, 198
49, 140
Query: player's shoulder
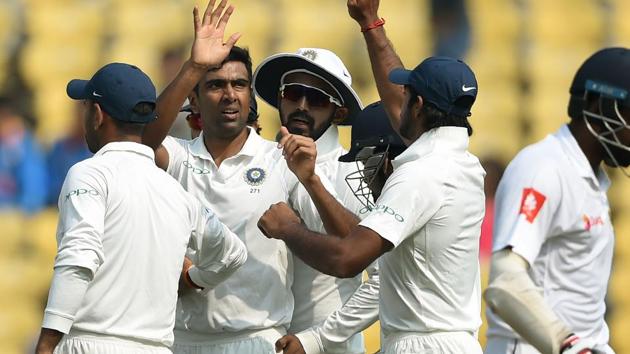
545, 155
96, 164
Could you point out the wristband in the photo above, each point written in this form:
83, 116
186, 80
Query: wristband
378, 23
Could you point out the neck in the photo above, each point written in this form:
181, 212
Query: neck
589, 145
222, 148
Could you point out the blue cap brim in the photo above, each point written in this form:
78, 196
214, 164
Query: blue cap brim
76, 89
400, 76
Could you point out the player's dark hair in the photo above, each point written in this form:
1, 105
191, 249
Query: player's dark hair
435, 117
236, 54
131, 128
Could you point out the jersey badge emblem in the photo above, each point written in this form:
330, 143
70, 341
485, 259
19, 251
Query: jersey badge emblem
531, 203
255, 176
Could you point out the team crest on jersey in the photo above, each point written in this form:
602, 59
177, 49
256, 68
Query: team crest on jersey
255, 176
531, 203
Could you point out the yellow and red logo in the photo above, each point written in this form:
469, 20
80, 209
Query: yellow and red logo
531, 203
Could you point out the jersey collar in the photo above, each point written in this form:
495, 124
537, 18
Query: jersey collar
328, 143
129, 147
454, 139
251, 146
579, 160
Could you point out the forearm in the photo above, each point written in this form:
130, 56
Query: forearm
514, 297
67, 290
358, 313
336, 218
384, 59
170, 102
48, 340
218, 260
322, 252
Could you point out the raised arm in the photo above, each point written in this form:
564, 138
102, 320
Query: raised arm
383, 57
301, 153
208, 51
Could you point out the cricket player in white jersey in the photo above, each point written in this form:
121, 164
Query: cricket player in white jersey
553, 240
312, 90
239, 174
426, 224
374, 145
124, 227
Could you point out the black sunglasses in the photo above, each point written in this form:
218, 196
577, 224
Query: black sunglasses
315, 97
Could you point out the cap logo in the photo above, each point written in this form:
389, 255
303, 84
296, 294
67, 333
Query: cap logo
96, 94
466, 89
310, 54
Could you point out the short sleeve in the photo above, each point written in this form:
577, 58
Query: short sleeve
82, 207
177, 154
525, 203
407, 203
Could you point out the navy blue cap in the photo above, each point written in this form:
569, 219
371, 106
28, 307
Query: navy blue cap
441, 81
606, 72
117, 88
371, 127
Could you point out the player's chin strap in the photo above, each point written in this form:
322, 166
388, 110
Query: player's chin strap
612, 125
368, 164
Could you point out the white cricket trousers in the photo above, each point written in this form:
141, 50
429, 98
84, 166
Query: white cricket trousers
433, 343
93, 343
250, 342
505, 345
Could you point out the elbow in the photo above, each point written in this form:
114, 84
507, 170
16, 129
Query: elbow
345, 265
347, 271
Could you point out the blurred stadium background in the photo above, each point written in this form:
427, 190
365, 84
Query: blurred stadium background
524, 53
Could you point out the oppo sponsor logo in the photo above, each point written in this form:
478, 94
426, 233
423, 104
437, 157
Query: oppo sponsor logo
195, 170
383, 209
81, 192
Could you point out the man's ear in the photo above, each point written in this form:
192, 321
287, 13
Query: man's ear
99, 116
341, 113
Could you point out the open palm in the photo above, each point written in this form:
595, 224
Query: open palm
208, 48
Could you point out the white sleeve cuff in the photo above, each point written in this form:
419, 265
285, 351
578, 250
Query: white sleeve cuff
193, 273
58, 322
311, 342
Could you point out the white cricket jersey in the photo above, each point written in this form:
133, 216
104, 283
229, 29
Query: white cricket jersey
129, 223
431, 209
552, 210
240, 190
317, 295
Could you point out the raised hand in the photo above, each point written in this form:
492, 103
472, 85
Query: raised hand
365, 12
275, 222
289, 344
300, 153
208, 48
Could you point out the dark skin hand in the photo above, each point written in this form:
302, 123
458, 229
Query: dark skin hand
289, 344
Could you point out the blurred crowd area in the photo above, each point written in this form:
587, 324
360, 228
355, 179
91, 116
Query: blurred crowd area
524, 53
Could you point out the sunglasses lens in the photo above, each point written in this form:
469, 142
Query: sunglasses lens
293, 92
313, 96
